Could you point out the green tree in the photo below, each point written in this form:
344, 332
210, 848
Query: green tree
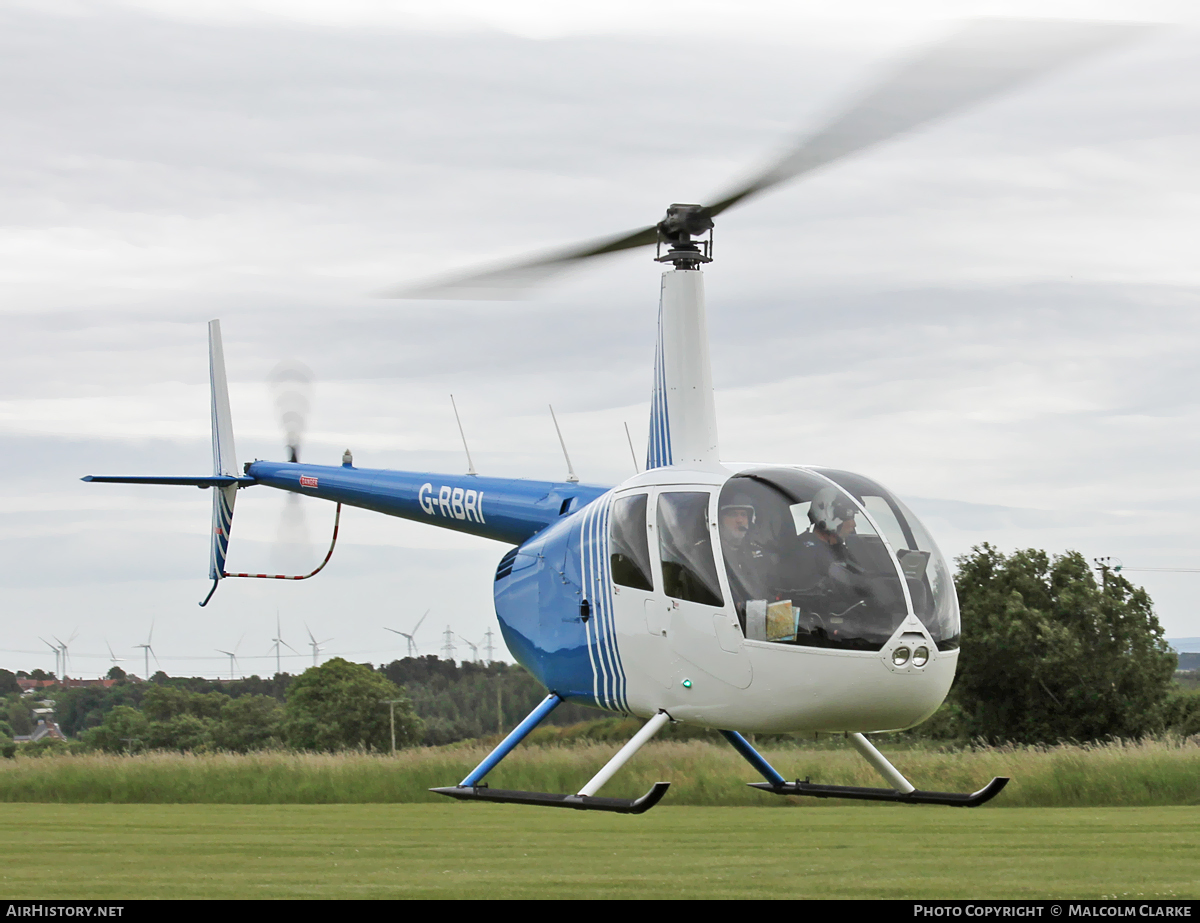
1049, 654
250, 722
125, 729
16, 712
162, 703
341, 705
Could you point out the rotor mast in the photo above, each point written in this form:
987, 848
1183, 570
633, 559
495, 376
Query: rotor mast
683, 417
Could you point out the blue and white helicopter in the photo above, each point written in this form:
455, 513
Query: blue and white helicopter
749, 598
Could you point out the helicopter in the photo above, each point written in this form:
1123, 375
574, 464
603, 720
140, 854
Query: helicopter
743, 598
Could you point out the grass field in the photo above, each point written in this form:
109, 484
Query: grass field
1145, 774
122, 852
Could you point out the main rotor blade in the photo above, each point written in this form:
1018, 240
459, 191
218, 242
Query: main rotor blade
510, 280
982, 59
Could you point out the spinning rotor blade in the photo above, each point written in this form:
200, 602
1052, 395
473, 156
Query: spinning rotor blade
980, 60
511, 279
291, 385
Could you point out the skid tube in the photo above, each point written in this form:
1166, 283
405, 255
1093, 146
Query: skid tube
473, 788
902, 793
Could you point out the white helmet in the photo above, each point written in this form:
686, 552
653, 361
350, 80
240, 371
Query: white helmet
829, 509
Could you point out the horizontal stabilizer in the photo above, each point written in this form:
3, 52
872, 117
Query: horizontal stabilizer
220, 480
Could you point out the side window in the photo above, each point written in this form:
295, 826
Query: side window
630, 548
685, 544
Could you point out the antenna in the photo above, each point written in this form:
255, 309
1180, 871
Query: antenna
632, 454
448, 647
571, 479
470, 464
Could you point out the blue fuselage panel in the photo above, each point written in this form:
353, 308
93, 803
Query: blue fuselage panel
554, 603
507, 510
540, 592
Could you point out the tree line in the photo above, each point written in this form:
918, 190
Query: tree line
338, 705
1049, 653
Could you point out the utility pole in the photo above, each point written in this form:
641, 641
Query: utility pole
448, 649
1105, 565
391, 704
488, 644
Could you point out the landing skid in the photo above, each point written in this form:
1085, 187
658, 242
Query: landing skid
902, 792
473, 788
916, 796
578, 802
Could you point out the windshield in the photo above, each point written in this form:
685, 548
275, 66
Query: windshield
805, 565
930, 582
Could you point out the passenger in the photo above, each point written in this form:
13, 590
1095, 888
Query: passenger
745, 559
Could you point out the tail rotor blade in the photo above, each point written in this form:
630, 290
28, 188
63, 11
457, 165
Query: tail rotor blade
291, 384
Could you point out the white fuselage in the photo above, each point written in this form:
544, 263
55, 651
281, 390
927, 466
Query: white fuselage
693, 660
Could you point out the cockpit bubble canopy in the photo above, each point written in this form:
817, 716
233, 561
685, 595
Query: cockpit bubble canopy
825, 558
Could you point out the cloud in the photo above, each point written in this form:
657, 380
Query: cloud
997, 311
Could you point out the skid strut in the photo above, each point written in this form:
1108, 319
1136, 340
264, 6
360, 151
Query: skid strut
473, 788
902, 791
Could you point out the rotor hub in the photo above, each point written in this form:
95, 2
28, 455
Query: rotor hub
677, 230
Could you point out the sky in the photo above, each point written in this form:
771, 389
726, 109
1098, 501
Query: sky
994, 316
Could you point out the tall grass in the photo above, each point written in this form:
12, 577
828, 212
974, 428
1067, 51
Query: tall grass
1144, 773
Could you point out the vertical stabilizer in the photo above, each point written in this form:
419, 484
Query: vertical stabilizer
224, 455
683, 416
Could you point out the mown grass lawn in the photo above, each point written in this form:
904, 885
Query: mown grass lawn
128, 851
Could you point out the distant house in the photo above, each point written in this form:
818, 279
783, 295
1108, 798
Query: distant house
31, 685
45, 728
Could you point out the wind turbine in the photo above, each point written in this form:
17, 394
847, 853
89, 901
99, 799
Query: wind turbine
278, 639
314, 643
148, 650
474, 649
412, 644
232, 655
112, 658
63, 646
57, 655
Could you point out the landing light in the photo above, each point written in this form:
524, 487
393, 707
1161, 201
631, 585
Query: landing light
900, 656
920, 656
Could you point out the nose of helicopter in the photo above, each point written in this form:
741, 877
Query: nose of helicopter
799, 690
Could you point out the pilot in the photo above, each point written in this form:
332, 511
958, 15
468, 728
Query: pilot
832, 516
823, 566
